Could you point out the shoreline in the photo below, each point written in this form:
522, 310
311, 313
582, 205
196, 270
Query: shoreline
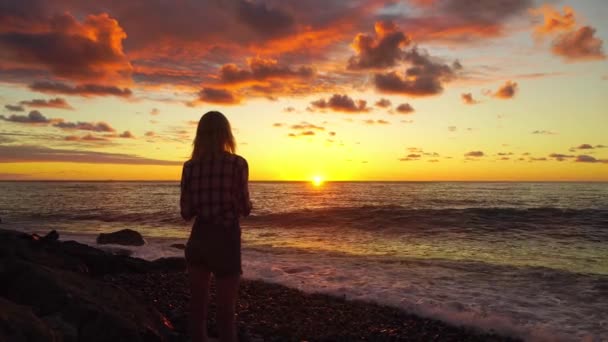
266, 311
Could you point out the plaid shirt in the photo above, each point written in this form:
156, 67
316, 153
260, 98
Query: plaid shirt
215, 189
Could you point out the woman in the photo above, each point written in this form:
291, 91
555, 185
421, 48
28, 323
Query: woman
214, 190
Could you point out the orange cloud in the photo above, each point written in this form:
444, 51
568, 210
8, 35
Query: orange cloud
506, 91
467, 98
87, 51
553, 20
34, 117
383, 103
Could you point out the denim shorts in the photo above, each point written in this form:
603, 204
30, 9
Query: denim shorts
215, 247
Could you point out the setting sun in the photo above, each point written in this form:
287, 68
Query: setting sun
317, 180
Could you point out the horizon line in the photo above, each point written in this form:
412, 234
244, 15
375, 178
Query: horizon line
300, 181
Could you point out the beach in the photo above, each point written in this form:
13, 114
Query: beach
50, 284
523, 260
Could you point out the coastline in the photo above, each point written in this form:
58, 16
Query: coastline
156, 294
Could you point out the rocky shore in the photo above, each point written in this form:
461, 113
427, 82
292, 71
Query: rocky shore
66, 291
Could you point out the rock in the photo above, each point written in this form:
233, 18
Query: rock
100, 311
117, 251
127, 237
18, 323
178, 246
51, 236
170, 264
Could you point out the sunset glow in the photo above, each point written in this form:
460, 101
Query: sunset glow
370, 90
317, 181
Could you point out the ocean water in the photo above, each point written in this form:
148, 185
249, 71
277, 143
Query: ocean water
525, 259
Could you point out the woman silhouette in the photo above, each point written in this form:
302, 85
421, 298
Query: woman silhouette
214, 189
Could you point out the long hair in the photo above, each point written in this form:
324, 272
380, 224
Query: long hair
213, 136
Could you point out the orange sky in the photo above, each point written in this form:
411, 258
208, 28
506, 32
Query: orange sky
343, 90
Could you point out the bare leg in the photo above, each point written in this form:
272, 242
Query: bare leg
199, 298
227, 291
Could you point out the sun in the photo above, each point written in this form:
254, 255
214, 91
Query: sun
317, 180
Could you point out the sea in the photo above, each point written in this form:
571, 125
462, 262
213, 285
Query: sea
524, 259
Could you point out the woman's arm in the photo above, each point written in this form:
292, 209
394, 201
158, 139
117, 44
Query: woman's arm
185, 199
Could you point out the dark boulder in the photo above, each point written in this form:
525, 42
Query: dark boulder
18, 323
127, 237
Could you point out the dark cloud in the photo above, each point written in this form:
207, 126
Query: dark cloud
127, 135
405, 108
278, 124
507, 90
301, 134
579, 45
475, 154
590, 159
544, 132
85, 126
381, 51
467, 98
585, 147
265, 20
34, 117
463, 20
424, 76
81, 90
411, 157
14, 108
383, 103
24, 153
58, 103
306, 126
342, 103
217, 96
260, 70
560, 157
91, 50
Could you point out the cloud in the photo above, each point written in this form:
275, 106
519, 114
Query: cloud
459, 21
58, 103
579, 45
306, 126
85, 90
378, 122
301, 134
560, 157
217, 96
265, 20
289, 109
91, 50
342, 103
86, 138
26, 153
127, 135
278, 124
405, 108
85, 126
378, 52
383, 103
150, 134
261, 70
554, 21
34, 117
14, 108
585, 147
590, 159
154, 111
475, 154
424, 76
544, 132
507, 90
467, 98
452, 128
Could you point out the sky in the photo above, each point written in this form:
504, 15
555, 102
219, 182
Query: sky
415, 90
